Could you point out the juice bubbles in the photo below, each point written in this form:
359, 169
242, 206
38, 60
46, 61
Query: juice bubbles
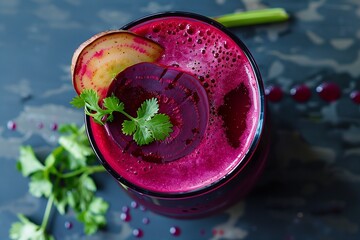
218, 147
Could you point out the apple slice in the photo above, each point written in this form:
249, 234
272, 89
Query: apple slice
98, 60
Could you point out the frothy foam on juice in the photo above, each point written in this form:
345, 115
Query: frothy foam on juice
226, 74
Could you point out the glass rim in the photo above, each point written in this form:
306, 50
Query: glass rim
258, 132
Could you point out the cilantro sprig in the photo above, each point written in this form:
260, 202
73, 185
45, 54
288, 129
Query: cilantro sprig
64, 178
146, 127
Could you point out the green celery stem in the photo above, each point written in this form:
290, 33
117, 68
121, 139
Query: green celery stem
261, 16
88, 170
47, 213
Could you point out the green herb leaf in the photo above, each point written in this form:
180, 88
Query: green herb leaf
98, 206
147, 127
60, 200
78, 102
91, 98
93, 217
77, 146
159, 126
39, 185
87, 183
28, 163
128, 127
150, 125
76, 149
142, 135
148, 109
113, 104
71, 129
27, 230
63, 177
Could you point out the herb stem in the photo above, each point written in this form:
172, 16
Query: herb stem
95, 169
88, 169
128, 116
47, 213
73, 173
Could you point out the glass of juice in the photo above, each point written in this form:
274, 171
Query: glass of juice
212, 90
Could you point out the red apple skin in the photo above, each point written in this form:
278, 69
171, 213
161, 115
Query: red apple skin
98, 60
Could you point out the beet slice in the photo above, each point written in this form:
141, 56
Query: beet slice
103, 56
180, 95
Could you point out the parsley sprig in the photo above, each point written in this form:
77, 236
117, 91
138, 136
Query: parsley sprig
146, 127
64, 178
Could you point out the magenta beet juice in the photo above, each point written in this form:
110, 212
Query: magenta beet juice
209, 85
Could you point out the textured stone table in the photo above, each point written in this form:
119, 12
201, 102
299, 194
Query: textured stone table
311, 185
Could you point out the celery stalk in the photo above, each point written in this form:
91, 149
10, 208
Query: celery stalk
253, 17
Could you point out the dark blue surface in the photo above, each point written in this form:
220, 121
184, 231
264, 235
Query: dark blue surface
310, 188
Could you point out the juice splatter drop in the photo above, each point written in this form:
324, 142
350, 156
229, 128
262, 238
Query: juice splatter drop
137, 233
328, 91
355, 96
11, 125
126, 217
175, 231
125, 209
301, 93
145, 220
68, 225
54, 126
40, 125
142, 208
218, 232
274, 93
134, 204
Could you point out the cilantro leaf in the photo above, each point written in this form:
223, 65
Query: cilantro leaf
128, 127
27, 230
78, 102
92, 222
28, 163
63, 177
61, 200
70, 129
87, 183
159, 126
93, 217
51, 160
98, 206
40, 186
146, 127
148, 109
150, 125
76, 146
142, 135
113, 104
90, 210
91, 99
